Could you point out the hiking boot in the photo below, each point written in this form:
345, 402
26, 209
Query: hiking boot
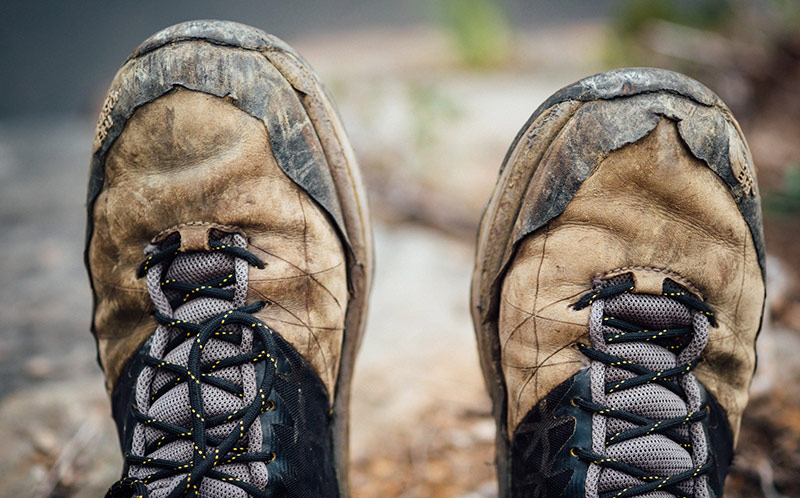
618, 291
230, 256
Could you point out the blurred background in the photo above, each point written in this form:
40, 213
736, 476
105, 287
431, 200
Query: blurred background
432, 93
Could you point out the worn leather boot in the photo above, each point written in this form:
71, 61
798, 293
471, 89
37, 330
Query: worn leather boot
230, 256
618, 291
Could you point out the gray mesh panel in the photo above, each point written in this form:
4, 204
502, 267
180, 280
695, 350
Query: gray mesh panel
173, 406
654, 453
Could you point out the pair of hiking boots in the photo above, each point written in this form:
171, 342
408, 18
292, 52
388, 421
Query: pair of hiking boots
617, 293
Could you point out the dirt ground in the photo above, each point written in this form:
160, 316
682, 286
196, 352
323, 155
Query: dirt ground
430, 136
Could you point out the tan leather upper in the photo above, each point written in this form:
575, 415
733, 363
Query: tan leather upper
190, 157
650, 204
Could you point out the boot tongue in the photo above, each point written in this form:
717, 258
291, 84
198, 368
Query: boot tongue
197, 268
655, 453
173, 406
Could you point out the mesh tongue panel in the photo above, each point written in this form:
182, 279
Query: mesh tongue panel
649, 400
655, 311
173, 406
653, 453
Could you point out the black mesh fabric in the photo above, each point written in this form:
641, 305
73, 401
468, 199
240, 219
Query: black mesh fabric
538, 439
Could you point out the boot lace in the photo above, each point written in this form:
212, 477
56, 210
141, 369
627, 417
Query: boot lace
208, 375
647, 413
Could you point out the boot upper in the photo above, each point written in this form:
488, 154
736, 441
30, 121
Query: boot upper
229, 251
619, 290
653, 209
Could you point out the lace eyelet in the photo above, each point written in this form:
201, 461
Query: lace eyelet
574, 401
573, 452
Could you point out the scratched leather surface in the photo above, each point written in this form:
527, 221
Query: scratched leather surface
187, 157
649, 203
